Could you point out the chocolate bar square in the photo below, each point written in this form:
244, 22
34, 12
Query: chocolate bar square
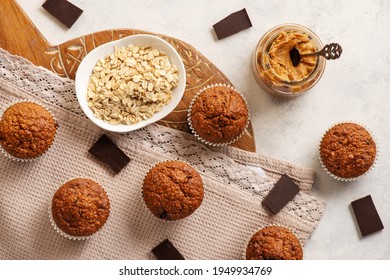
284, 191
106, 151
63, 10
166, 251
232, 24
366, 215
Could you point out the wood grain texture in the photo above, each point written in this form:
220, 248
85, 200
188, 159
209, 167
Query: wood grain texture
20, 37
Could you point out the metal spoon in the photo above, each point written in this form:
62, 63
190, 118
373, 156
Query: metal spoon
330, 51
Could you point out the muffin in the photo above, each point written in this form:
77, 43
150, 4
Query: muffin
218, 115
80, 207
347, 151
274, 243
27, 130
172, 190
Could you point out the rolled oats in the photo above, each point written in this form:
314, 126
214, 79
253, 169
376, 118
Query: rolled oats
131, 84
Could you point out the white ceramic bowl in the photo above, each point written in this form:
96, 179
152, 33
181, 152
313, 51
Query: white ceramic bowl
88, 63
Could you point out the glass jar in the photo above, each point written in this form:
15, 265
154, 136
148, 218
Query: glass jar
272, 65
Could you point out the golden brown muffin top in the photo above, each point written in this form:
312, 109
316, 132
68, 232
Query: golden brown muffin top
219, 114
274, 243
347, 150
27, 130
172, 190
80, 207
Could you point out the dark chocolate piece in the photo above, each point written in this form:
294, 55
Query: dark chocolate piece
232, 24
164, 215
63, 10
284, 190
166, 251
366, 215
106, 151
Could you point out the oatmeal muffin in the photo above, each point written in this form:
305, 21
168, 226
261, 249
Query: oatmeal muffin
80, 207
274, 243
27, 130
172, 190
347, 150
218, 115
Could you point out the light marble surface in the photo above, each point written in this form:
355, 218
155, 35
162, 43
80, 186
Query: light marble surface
356, 88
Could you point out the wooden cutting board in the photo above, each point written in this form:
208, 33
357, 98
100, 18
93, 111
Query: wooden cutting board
20, 37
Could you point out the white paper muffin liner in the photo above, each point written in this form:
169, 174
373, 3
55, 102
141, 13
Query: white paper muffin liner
352, 178
150, 212
270, 225
193, 129
8, 155
64, 234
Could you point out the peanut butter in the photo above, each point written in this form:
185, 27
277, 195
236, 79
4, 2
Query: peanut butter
279, 60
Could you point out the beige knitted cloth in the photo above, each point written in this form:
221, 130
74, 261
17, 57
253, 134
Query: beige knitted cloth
219, 229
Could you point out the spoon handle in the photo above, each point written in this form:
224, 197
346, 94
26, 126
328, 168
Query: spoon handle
329, 51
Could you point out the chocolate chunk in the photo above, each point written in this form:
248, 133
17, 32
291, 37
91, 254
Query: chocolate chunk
106, 151
63, 10
366, 215
284, 190
232, 24
164, 215
166, 251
